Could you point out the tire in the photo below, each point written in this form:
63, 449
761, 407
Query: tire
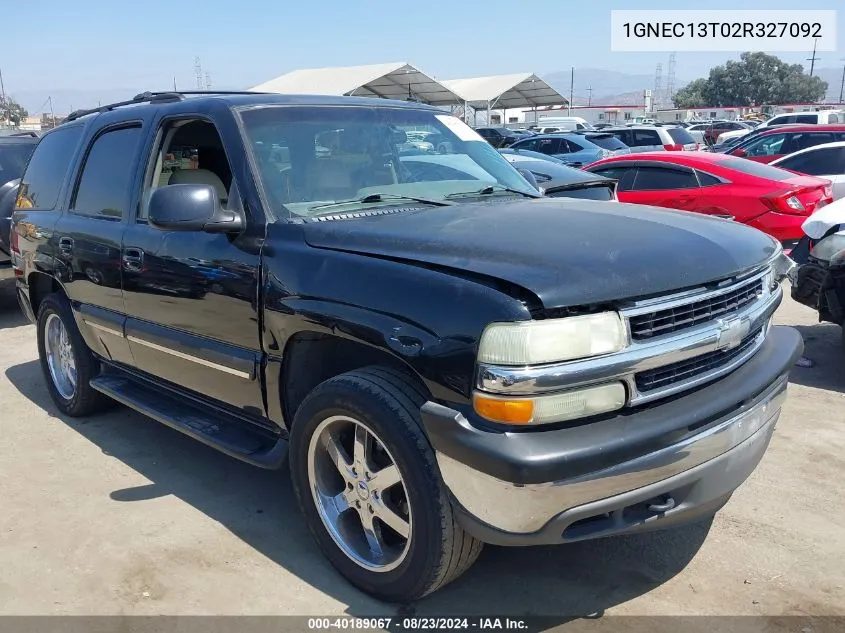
82, 399
385, 403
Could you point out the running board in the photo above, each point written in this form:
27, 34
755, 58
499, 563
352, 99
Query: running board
210, 427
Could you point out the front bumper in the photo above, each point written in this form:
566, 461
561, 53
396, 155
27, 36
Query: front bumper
664, 464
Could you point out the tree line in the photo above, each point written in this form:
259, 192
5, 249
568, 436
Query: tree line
754, 80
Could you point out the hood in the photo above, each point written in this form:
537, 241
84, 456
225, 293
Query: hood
566, 252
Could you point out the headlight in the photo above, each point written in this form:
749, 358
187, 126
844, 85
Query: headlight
831, 249
548, 409
554, 340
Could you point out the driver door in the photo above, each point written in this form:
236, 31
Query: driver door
191, 297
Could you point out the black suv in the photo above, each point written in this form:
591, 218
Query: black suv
15, 149
501, 136
445, 356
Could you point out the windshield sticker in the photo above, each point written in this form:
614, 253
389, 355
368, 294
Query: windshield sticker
460, 129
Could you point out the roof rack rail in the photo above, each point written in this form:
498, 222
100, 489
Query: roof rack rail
27, 133
156, 97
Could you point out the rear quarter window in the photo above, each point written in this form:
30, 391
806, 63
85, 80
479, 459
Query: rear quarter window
680, 136
646, 137
47, 169
607, 141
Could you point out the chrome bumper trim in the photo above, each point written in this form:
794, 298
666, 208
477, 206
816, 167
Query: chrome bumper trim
524, 509
637, 357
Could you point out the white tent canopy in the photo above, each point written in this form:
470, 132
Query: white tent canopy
522, 90
388, 81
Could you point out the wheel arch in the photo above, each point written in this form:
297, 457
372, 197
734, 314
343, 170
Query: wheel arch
311, 358
39, 286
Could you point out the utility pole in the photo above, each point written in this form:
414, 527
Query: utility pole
198, 72
571, 88
174, 84
6, 107
842, 85
813, 59
52, 114
589, 96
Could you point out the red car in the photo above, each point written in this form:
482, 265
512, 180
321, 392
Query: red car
770, 144
773, 200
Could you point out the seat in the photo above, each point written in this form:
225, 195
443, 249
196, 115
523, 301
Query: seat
200, 177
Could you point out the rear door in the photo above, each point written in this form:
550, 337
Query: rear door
88, 234
827, 162
671, 186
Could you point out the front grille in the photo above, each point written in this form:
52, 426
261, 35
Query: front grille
668, 375
668, 320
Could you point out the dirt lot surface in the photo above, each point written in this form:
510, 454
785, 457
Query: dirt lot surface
118, 514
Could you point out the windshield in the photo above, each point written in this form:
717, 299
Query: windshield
311, 157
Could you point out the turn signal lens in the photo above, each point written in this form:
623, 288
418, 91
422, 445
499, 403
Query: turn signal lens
557, 407
505, 411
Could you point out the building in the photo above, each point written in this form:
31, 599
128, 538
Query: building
31, 124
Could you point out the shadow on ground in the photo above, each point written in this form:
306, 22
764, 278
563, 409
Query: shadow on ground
258, 506
10, 312
823, 344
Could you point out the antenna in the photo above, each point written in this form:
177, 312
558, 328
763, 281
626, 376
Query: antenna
198, 71
658, 85
670, 81
813, 59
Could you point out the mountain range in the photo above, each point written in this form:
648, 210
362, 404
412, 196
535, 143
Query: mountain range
609, 87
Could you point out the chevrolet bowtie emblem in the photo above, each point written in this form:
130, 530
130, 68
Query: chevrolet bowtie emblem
731, 333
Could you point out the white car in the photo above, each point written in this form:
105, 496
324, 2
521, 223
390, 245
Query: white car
826, 161
726, 136
807, 118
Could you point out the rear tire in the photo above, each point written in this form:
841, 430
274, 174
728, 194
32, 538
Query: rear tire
384, 405
67, 363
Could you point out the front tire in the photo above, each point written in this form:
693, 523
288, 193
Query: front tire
368, 485
67, 363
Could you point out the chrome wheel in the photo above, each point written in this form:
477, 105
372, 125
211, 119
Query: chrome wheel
359, 493
60, 358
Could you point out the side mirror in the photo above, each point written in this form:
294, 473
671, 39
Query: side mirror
529, 177
191, 207
740, 152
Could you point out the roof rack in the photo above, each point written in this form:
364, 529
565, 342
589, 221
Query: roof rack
155, 97
28, 133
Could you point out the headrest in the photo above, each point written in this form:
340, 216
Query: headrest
200, 177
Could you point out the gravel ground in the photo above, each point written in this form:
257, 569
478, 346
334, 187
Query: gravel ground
117, 514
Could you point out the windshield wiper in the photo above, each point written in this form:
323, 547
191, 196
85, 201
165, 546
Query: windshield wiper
381, 197
488, 190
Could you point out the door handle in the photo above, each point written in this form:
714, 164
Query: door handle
133, 259
66, 244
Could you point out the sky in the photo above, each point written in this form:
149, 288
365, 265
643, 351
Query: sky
99, 45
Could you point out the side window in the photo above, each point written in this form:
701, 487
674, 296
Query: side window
819, 162
47, 168
766, 146
191, 152
625, 176
809, 119
549, 146
530, 144
833, 118
646, 137
707, 180
657, 178
571, 145
808, 139
106, 181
